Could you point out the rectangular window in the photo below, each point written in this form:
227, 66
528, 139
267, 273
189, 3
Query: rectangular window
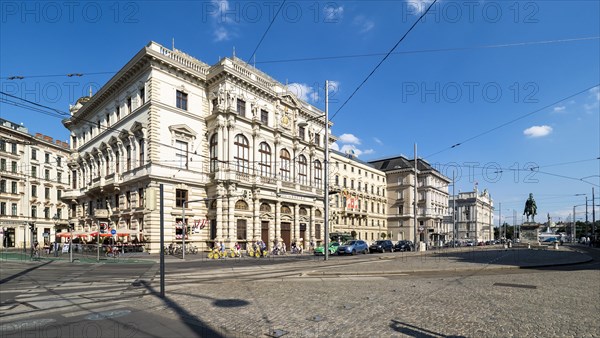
47, 174
3, 164
34, 211
14, 188
264, 116
180, 197
2, 185
181, 154
33, 154
142, 95
47, 213
128, 154
14, 166
318, 140
58, 195
301, 133
108, 120
34, 190
118, 112
58, 161
127, 200
59, 177
74, 179
47, 158
2, 145
47, 193
14, 148
241, 107
182, 100
3, 208
141, 197
142, 150
129, 105
14, 209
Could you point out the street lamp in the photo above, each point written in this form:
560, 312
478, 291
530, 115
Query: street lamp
325, 169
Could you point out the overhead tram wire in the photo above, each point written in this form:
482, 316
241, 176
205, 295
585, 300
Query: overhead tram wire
266, 31
349, 56
382, 60
512, 121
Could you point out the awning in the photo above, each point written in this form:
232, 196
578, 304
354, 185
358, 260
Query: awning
95, 234
74, 234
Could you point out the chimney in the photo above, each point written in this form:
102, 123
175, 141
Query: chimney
48, 139
38, 135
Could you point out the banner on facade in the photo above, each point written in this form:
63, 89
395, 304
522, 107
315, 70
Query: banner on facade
199, 224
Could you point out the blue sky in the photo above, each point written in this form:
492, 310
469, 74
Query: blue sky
458, 77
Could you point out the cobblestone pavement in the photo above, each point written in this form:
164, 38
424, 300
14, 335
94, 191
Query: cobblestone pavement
457, 293
474, 303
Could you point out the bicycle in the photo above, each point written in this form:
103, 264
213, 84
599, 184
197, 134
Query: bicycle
216, 253
35, 254
112, 252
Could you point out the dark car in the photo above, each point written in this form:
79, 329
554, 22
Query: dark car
404, 246
353, 247
382, 246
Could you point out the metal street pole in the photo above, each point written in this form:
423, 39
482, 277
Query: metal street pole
326, 174
573, 235
70, 244
162, 242
593, 215
453, 210
415, 202
183, 229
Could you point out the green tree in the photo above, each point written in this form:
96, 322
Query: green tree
383, 235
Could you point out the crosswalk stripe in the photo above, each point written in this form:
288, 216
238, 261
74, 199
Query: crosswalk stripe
92, 310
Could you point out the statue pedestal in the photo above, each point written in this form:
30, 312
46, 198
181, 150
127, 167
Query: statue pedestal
530, 233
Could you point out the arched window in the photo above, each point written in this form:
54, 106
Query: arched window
241, 205
242, 154
286, 210
265, 207
318, 213
318, 174
265, 159
302, 169
214, 153
284, 156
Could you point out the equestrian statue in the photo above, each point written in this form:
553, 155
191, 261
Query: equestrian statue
530, 208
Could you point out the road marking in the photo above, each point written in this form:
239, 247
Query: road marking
92, 310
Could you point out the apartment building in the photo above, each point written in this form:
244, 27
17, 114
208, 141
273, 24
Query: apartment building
33, 178
474, 215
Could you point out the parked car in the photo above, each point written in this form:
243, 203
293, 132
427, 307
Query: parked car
382, 246
404, 246
333, 246
353, 247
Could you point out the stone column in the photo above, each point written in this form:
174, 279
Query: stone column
311, 224
220, 219
256, 226
296, 224
277, 228
231, 214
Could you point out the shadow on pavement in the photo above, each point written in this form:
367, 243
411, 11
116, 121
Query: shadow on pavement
24, 272
415, 331
191, 321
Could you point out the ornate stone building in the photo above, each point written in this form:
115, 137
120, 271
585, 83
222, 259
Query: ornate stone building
224, 141
474, 215
432, 202
360, 204
33, 178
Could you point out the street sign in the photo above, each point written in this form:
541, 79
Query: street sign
113, 232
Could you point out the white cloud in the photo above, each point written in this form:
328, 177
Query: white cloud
378, 141
221, 34
304, 92
559, 109
537, 131
418, 6
368, 151
333, 14
349, 139
595, 93
350, 148
335, 146
364, 25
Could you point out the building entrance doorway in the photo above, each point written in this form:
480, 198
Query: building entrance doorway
286, 233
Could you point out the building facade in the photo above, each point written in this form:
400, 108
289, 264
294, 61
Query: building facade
432, 200
359, 205
33, 178
474, 214
224, 142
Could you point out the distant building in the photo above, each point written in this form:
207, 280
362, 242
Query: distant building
474, 216
432, 199
361, 204
33, 177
